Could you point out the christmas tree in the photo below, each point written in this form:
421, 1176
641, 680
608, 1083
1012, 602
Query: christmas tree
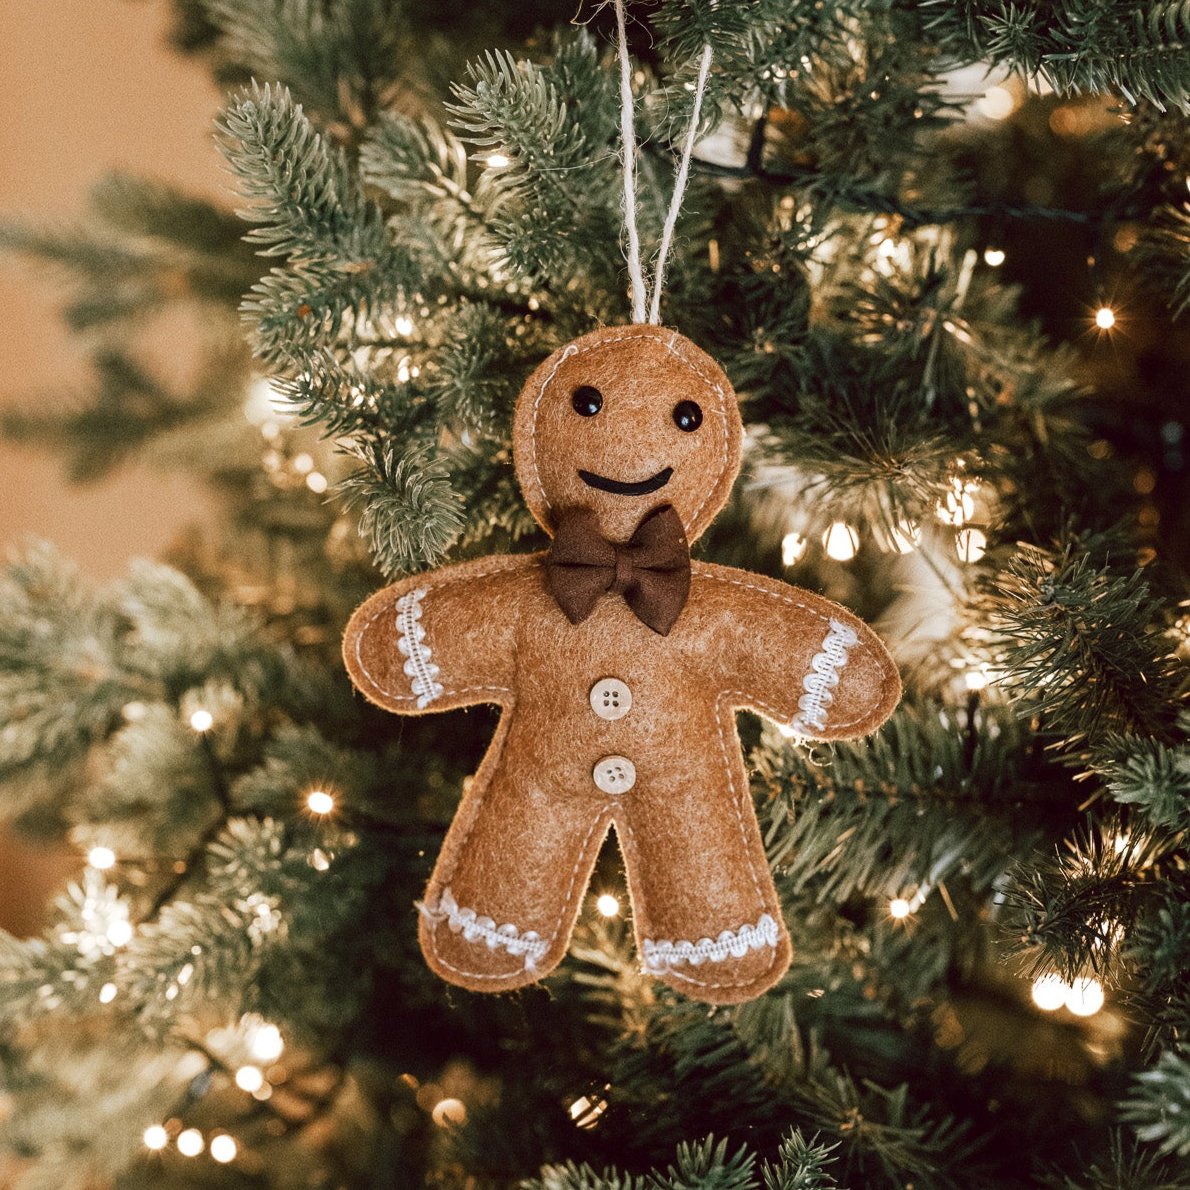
942, 252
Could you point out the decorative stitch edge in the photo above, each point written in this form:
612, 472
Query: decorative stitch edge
823, 677
660, 956
474, 928
420, 670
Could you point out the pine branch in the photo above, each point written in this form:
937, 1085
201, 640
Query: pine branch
410, 514
554, 200
342, 59
1159, 1105
1080, 645
927, 798
1136, 50
1074, 912
1152, 776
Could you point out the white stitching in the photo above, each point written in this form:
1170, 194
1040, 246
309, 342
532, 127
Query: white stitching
660, 956
639, 332
483, 929
823, 677
507, 562
420, 670
705, 571
628, 842
601, 820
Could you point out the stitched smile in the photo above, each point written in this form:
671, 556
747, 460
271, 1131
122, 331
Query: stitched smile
617, 487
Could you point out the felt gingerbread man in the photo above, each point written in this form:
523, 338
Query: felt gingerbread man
618, 665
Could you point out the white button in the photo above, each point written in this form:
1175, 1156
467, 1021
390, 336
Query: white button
611, 699
614, 774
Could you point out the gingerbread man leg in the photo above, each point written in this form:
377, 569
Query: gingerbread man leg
708, 921
501, 904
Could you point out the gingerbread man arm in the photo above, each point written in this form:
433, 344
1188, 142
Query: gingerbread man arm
797, 658
441, 640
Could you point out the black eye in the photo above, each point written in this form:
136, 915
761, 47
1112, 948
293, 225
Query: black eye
687, 416
587, 401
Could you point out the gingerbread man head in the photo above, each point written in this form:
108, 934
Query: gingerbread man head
623, 420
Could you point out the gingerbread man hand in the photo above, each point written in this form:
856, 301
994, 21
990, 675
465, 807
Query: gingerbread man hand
618, 665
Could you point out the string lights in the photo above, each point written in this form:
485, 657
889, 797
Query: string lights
318, 801
970, 544
1083, 997
101, 858
1105, 318
607, 905
250, 1079
202, 720
793, 548
190, 1142
448, 1112
224, 1148
265, 1043
155, 1138
841, 542
586, 1109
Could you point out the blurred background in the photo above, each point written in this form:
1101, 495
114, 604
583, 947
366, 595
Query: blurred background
94, 80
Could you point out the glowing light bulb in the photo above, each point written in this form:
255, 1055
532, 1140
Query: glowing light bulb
1105, 318
318, 801
997, 103
958, 507
1085, 997
586, 1110
404, 325
260, 404
793, 546
316, 482
249, 1078
202, 720
1049, 992
979, 677
899, 908
608, 905
994, 257
841, 542
970, 544
266, 1044
155, 1138
449, 1111
119, 932
190, 1142
101, 858
224, 1148
497, 160
107, 993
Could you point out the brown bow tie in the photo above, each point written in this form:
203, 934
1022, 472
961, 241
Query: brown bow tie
651, 570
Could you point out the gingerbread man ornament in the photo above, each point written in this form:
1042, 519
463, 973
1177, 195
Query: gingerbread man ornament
618, 665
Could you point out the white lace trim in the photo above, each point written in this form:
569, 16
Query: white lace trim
483, 929
823, 677
420, 670
730, 944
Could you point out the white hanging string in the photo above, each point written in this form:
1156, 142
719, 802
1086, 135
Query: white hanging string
628, 136
675, 203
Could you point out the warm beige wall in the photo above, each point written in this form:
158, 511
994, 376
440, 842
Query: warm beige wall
85, 85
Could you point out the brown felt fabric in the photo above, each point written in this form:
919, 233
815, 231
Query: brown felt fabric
516, 861
651, 570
